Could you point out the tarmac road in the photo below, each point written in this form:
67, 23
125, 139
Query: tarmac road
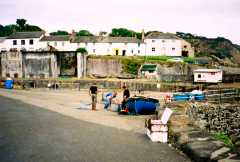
33, 134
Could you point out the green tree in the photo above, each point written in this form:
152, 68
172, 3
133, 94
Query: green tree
123, 32
32, 28
84, 33
60, 32
21, 23
82, 50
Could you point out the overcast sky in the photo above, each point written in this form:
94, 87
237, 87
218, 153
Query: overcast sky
209, 18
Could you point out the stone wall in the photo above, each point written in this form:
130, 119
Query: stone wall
11, 63
39, 65
217, 118
104, 67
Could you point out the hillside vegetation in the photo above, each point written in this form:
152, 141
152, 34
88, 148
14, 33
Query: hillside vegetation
218, 47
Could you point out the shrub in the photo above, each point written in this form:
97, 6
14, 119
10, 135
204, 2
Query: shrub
224, 138
82, 50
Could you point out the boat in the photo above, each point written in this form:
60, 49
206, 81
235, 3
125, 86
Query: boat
126, 77
99, 76
188, 96
141, 105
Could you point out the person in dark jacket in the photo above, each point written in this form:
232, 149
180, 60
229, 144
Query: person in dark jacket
93, 90
126, 95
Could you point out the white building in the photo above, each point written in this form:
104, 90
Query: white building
2, 45
60, 43
155, 44
121, 46
28, 41
163, 44
208, 75
96, 45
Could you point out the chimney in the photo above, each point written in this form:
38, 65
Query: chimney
143, 35
72, 36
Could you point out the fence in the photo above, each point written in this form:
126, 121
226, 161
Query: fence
223, 94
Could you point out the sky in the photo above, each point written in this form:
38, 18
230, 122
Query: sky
210, 18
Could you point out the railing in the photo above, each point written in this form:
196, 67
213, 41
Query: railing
223, 94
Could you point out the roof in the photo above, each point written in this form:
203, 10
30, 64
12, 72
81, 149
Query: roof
207, 70
101, 39
23, 35
149, 67
2, 39
159, 35
55, 38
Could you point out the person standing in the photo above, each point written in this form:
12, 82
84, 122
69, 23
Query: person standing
126, 95
93, 90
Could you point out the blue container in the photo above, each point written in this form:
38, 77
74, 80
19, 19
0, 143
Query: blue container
199, 97
181, 97
142, 105
9, 84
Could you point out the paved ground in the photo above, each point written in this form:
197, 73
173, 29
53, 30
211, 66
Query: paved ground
68, 102
32, 134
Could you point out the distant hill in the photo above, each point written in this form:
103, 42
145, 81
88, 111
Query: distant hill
218, 47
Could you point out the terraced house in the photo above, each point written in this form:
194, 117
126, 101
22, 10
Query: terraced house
154, 44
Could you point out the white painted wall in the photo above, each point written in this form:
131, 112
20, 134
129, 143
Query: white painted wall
3, 46
110, 48
99, 48
208, 77
163, 47
8, 43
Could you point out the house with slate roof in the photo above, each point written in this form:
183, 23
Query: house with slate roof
28, 41
154, 44
58, 42
164, 44
119, 46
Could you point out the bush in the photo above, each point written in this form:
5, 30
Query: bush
82, 50
224, 138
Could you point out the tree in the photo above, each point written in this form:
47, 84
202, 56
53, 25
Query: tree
21, 23
84, 33
123, 32
60, 32
82, 50
32, 28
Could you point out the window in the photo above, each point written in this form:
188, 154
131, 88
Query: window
153, 41
163, 41
15, 75
93, 43
62, 43
55, 44
199, 75
132, 51
153, 49
213, 73
139, 51
139, 44
31, 41
185, 46
86, 43
94, 50
110, 43
125, 43
173, 49
14, 42
22, 42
